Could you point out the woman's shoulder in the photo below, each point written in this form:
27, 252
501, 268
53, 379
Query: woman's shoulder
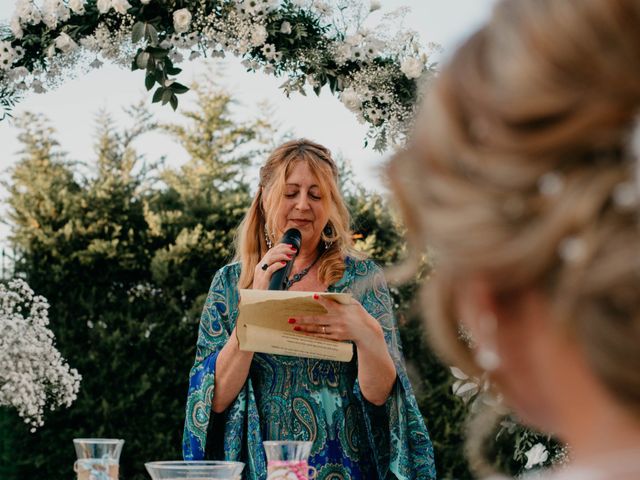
362, 267
228, 274
359, 271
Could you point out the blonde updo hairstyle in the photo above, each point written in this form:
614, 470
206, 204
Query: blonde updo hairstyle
251, 242
516, 169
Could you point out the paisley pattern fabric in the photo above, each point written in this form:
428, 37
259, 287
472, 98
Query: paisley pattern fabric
290, 398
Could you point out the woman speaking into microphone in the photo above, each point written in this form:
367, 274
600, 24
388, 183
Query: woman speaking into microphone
361, 416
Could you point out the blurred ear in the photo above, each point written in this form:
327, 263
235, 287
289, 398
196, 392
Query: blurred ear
475, 300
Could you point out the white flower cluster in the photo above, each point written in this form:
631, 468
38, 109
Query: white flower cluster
239, 31
363, 46
32, 372
255, 8
142, 290
536, 455
120, 6
377, 62
369, 93
182, 20
110, 44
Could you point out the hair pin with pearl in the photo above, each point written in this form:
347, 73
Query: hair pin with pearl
625, 195
572, 249
550, 184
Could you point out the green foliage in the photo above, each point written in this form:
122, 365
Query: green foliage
125, 251
125, 267
305, 43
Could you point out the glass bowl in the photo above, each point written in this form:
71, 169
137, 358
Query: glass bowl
195, 470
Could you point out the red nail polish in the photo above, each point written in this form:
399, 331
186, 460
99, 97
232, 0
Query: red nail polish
316, 296
292, 320
283, 262
289, 256
296, 328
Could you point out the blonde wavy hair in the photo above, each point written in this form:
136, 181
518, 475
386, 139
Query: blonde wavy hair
251, 243
521, 152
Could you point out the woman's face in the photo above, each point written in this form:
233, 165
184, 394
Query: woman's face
303, 205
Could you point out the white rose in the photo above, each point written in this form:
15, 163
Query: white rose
23, 9
77, 6
50, 20
121, 6
104, 6
89, 42
412, 67
181, 20
35, 17
285, 28
62, 11
145, 2
259, 35
536, 455
65, 43
322, 7
16, 28
350, 99
375, 5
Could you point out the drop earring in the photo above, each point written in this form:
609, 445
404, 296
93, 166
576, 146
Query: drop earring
328, 232
267, 238
486, 354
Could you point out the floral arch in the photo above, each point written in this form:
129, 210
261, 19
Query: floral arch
310, 42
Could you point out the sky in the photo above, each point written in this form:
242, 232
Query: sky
72, 106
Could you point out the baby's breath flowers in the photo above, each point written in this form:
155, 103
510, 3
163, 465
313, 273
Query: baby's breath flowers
33, 374
311, 42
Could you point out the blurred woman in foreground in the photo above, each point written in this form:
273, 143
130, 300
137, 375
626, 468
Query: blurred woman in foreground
522, 176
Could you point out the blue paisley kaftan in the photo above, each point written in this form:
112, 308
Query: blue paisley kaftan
291, 398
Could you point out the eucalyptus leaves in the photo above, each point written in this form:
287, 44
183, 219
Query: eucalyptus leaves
312, 43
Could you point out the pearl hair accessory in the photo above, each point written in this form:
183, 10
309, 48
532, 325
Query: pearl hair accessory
625, 195
486, 355
550, 184
572, 249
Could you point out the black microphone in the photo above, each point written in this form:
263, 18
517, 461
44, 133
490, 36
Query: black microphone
280, 278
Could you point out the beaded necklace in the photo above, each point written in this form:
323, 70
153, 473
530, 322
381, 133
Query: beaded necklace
300, 275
